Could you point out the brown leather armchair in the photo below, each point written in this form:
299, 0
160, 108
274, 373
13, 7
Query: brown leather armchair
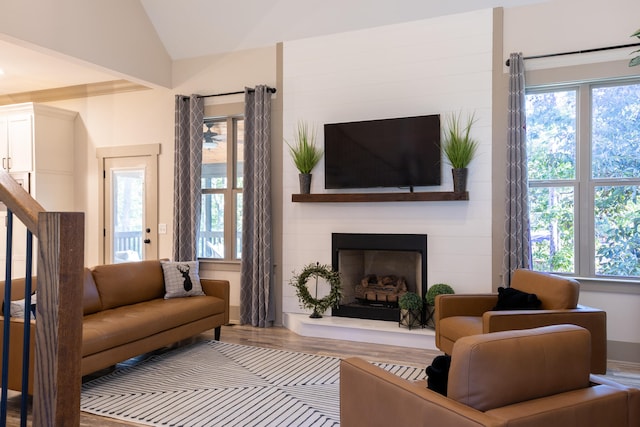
526, 378
460, 315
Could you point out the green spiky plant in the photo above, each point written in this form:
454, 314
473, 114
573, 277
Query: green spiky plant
458, 146
636, 60
304, 152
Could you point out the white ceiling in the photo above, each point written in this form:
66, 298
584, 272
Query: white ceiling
193, 28
26, 70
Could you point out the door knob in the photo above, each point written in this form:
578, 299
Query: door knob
147, 241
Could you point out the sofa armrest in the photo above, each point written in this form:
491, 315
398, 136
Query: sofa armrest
591, 406
220, 289
592, 319
632, 393
449, 305
16, 339
371, 396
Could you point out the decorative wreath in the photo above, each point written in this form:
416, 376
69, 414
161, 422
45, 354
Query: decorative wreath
306, 299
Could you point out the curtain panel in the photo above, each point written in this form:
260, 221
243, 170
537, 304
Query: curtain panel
187, 171
517, 252
256, 306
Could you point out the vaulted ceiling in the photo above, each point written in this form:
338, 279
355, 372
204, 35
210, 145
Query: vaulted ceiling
194, 28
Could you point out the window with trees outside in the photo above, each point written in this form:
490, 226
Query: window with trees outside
583, 148
220, 235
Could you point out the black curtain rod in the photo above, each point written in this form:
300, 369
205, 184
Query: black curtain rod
269, 89
598, 49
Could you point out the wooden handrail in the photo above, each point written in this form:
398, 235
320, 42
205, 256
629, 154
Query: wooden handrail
20, 202
57, 376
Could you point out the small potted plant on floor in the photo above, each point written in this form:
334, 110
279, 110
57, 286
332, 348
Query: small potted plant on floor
459, 149
305, 154
430, 299
410, 305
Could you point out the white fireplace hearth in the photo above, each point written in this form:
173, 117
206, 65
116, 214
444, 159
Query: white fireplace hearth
360, 330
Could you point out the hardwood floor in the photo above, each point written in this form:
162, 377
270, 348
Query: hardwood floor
283, 339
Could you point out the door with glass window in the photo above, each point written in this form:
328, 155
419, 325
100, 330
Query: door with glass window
130, 209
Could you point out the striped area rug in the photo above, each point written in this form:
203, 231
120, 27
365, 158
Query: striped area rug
218, 384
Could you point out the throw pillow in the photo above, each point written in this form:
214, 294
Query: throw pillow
513, 299
16, 308
181, 279
438, 374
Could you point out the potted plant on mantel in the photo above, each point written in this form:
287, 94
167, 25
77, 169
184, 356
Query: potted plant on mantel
459, 149
410, 305
305, 154
430, 299
635, 60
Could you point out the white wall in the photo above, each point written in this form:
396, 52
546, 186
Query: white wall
570, 25
434, 66
115, 35
147, 117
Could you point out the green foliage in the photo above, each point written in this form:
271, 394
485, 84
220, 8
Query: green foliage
304, 152
410, 301
318, 305
551, 135
617, 227
458, 146
553, 168
636, 60
437, 289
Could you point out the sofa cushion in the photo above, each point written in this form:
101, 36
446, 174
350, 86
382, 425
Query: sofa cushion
555, 292
181, 279
456, 327
122, 325
90, 297
128, 283
494, 370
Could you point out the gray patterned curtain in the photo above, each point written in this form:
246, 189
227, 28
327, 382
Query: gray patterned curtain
186, 180
517, 234
256, 307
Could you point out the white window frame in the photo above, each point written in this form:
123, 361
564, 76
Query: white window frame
230, 113
584, 186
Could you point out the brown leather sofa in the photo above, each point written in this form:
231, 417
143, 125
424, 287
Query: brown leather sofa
125, 315
461, 315
524, 378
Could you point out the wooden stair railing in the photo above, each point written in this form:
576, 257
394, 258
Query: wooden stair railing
58, 341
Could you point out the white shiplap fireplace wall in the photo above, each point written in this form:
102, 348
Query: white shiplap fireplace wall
434, 66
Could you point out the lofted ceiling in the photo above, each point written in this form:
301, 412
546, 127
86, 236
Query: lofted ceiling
194, 28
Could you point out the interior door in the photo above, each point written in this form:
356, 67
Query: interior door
130, 209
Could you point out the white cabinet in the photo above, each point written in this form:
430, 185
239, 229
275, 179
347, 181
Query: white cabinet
37, 149
16, 145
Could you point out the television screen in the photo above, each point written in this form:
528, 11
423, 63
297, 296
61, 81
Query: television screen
399, 152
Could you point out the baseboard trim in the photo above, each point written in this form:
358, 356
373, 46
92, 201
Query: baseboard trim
234, 314
623, 351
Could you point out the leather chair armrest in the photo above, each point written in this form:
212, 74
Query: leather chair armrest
449, 305
371, 396
594, 320
632, 393
220, 289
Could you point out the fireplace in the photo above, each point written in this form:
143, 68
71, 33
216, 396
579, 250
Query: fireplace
383, 258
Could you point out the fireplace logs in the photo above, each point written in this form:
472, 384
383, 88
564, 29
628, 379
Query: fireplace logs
374, 289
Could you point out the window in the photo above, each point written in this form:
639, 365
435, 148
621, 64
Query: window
221, 211
584, 178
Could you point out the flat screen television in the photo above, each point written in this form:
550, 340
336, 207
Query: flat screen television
399, 152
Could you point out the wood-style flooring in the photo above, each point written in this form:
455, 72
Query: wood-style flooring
283, 339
